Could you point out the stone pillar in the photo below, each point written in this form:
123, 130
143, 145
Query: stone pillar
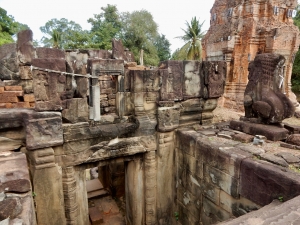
48, 188
81, 196
134, 189
69, 189
94, 101
150, 188
165, 178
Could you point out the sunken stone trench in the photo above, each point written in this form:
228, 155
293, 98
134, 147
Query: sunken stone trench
89, 137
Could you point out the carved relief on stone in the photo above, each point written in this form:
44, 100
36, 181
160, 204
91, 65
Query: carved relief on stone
70, 199
168, 118
44, 131
263, 96
192, 81
171, 87
214, 74
41, 158
150, 186
49, 90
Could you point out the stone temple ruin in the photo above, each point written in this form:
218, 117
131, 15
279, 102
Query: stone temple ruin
239, 30
146, 135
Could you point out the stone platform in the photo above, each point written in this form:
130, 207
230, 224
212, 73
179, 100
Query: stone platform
271, 132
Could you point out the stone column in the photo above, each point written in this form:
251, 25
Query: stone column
69, 189
150, 187
134, 189
48, 188
81, 196
165, 178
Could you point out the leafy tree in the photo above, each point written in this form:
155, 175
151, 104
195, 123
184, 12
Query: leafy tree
105, 26
296, 66
9, 27
192, 38
178, 55
64, 34
139, 31
163, 47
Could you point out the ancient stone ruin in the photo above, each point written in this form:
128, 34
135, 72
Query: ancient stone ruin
90, 137
239, 30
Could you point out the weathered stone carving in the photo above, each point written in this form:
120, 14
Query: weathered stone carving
70, 201
8, 62
172, 77
263, 96
214, 74
239, 30
25, 49
44, 130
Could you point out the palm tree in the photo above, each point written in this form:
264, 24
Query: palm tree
192, 38
56, 38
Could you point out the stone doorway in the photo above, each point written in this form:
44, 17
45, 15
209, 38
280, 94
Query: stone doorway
106, 193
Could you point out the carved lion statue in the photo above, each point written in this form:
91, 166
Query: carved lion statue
263, 98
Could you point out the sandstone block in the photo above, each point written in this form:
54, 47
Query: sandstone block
272, 133
29, 98
13, 88
223, 180
171, 73
25, 73
236, 207
261, 182
215, 212
192, 80
294, 139
44, 131
48, 53
21, 105
11, 93
8, 99
26, 51
1, 90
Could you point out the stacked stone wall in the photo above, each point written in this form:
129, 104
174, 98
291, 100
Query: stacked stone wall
217, 180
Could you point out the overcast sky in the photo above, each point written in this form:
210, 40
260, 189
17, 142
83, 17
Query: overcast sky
169, 15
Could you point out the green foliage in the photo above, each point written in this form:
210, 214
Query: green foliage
163, 47
139, 31
296, 66
105, 26
64, 34
9, 27
176, 214
178, 55
280, 198
192, 38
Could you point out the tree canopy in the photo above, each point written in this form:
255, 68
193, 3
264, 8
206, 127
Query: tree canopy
139, 31
64, 34
9, 27
105, 26
192, 37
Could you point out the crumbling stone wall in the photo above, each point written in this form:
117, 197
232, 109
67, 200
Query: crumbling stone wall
239, 30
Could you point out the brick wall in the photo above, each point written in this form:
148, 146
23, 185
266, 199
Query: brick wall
14, 97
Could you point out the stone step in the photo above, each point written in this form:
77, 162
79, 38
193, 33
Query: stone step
276, 213
93, 185
98, 193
